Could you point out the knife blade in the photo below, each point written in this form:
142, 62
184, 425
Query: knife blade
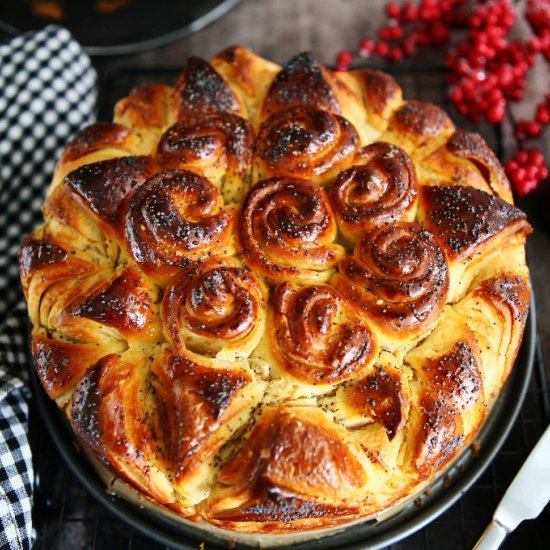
525, 498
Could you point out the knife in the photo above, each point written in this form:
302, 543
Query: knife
525, 498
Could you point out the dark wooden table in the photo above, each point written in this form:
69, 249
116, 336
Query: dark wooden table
278, 29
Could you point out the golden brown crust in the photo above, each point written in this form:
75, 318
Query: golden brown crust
174, 218
305, 142
316, 337
398, 278
146, 107
286, 231
379, 188
280, 333
381, 94
466, 159
293, 466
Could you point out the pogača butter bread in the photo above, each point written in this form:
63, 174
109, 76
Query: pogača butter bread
276, 299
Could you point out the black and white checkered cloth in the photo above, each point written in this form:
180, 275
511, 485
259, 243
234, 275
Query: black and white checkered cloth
47, 93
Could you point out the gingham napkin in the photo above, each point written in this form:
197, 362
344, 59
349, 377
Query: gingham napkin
47, 92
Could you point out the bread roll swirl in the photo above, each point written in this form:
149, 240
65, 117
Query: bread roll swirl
217, 146
215, 308
175, 217
380, 188
316, 336
286, 231
398, 276
305, 142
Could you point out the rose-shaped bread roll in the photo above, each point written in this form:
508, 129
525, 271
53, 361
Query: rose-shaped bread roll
305, 142
217, 146
316, 337
398, 277
215, 308
380, 188
174, 218
286, 231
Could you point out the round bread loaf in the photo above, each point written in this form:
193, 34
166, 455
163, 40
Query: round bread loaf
276, 299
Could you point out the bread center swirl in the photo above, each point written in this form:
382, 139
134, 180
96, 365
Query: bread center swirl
215, 306
380, 188
316, 336
287, 231
173, 218
305, 142
398, 276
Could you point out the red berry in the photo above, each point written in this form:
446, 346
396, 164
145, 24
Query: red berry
344, 58
393, 10
396, 54
382, 49
543, 114
366, 45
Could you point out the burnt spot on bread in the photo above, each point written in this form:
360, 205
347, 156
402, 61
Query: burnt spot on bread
94, 137
201, 89
380, 396
285, 508
60, 365
86, 409
456, 374
103, 186
303, 81
440, 433
122, 303
461, 218
36, 254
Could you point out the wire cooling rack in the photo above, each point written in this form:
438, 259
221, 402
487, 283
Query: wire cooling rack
66, 516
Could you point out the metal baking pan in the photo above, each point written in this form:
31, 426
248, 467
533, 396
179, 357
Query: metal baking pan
435, 500
139, 25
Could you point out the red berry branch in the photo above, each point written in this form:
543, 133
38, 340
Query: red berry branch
486, 69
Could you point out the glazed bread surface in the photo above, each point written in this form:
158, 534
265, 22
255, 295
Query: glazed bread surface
276, 299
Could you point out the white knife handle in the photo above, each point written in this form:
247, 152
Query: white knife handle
492, 537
